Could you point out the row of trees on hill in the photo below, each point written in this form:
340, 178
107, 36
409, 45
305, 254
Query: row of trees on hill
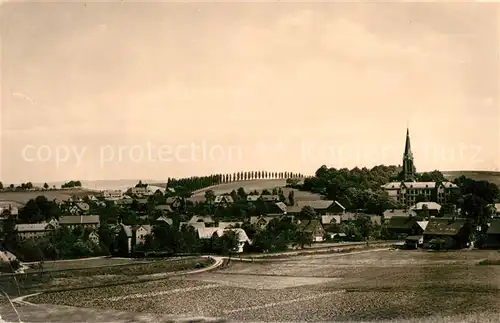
199, 182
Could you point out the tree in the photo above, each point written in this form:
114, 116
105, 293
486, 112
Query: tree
307, 213
303, 238
45, 186
291, 198
210, 196
1, 186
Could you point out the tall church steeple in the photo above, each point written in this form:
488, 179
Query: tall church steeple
408, 166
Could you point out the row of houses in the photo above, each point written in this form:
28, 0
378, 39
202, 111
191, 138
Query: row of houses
36, 230
442, 232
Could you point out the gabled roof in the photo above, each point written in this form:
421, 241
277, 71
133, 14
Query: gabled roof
207, 233
257, 219
423, 224
223, 198
444, 226
32, 227
317, 205
79, 219
494, 227
401, 222
430, 206
145, 227
127, 230
165, 219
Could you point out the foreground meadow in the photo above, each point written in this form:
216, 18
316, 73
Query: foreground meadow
375, 286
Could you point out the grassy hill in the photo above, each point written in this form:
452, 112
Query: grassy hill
493, 177
258, 185
23, 197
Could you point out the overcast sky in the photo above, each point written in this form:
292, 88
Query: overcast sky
335, 84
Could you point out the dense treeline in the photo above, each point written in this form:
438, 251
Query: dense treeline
356, 189
72, 184
38, 210
476, 198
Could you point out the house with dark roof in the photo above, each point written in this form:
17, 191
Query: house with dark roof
323, 207
448, 233
174, 201
404, 226
493, 234
223, 200
84, 221
261, 221
293, 210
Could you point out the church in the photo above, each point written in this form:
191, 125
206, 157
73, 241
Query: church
407, 191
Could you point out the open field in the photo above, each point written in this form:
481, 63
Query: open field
493, 177
23, 197
402, 286
93, 276
259, 185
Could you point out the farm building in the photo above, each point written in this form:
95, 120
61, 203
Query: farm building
447, 233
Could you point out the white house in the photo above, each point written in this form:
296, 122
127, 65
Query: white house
112, 194
140, 191
94, 237
207, 233
141, 233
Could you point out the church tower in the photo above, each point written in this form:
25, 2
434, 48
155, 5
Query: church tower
408, 166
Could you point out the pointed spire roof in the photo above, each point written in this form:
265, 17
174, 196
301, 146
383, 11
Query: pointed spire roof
408, 153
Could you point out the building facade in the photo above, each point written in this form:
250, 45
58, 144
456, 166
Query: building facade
406, 191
